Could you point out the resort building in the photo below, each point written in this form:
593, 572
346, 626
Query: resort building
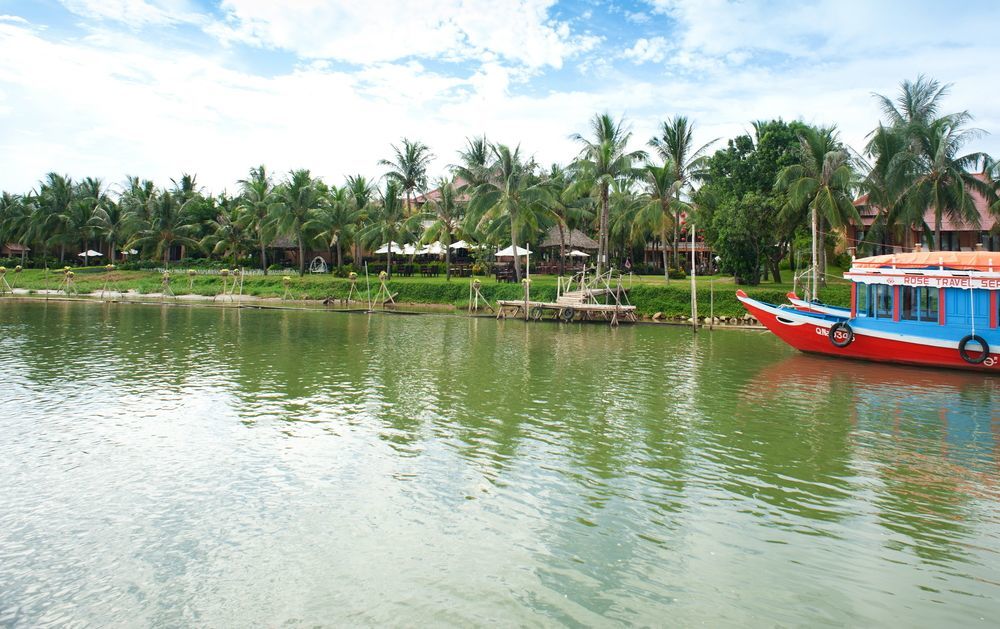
955, 236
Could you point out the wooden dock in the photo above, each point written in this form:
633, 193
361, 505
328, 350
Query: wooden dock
579, 305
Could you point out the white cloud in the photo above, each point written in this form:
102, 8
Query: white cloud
645, 50
135, 13
365, 33
17, 19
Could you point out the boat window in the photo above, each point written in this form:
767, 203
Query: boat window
864, 300
883, 301
918, 304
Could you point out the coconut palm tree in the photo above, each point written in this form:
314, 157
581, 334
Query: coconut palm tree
230, 234
603, 160
408, 168
567, 207
942, 180
89, 196
169, 224
256, 199
661, 204
387, 222
361, 192
510, 194
820, 185
113, 222
675, 145
335, 222
13, 217
56, 196
473, 164
297, 201
445, 218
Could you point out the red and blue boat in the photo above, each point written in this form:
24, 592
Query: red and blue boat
936, 309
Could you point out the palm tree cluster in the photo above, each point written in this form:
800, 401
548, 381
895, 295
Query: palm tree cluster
496, 194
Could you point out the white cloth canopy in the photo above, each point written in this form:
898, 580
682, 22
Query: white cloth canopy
433, 249
509, 252
461, 244
576, 253
129, 252
90, 253
385, 248
409, 250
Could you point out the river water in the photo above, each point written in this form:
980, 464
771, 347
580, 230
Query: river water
182, 466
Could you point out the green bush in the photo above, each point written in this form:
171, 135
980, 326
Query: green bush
677, 273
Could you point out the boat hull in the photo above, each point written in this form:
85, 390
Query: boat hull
809, 333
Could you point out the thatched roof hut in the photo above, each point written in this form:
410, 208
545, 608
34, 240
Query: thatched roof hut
575, 239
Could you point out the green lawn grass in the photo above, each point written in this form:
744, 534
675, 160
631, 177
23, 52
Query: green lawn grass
650, 294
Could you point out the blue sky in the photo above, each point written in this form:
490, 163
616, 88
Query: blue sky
155, 88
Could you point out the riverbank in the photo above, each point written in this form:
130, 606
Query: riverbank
650, 294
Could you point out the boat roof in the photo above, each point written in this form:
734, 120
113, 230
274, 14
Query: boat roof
951, 260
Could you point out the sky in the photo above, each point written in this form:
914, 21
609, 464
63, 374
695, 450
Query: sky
157, 88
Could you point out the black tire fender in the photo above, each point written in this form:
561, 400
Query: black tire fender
963, 352
841, 334
567, 314
536, 313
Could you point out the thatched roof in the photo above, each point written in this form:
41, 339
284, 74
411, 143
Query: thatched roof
575, 239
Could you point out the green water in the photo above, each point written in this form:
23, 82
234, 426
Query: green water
184, 466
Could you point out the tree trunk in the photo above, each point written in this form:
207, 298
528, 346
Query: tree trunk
602, 252
822, 254
263, 258
666, 264
302, 255
340, 257
166, 257
937, 231
815, 254
388, 262
562, 250
62, 253
517, 258
447, 261
677, 238
111, 252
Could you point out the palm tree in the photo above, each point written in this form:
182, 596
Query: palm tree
943, 181
113, 221
56, 195
387, 222
675, 145
90, 196
445, 217
566, 206
603, 160
15, 212
661, 204
256, 199
335, 222
169, 224
915, 108
474, 162
509, 194
230, 234
361, 193
819, 184
408, 168
298, 200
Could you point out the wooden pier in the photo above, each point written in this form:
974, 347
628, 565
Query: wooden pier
578, 302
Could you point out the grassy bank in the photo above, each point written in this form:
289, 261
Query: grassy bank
648, 293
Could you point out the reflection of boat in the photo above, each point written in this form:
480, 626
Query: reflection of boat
935, 309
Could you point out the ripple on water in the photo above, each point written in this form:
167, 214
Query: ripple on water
177, 466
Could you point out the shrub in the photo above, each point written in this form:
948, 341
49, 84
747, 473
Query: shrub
677, 273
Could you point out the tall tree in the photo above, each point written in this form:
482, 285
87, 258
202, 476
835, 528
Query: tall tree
604, 159
56, 196
675, 145
819, 184
230, 234
567, 205
335, 222
387, 221
256, 199
661, 204
297, 201
509, 194
168, 224
362, 193
408, 168
444, 218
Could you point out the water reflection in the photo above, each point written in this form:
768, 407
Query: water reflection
173, 464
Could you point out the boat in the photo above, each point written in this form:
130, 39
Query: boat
928, 308
816, 306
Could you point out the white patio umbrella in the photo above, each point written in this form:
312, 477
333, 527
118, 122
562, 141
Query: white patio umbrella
576, 253
433, 249
409, 250
90, 253
509, 252
385, 248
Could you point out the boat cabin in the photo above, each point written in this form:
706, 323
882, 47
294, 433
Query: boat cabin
935, 288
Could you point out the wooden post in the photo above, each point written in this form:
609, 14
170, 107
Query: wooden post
694, 288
